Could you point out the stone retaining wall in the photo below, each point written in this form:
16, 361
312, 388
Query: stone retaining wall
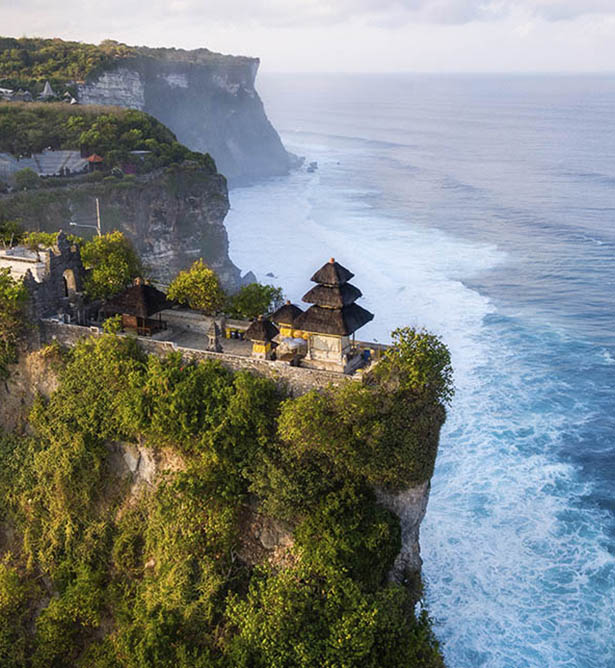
295, 380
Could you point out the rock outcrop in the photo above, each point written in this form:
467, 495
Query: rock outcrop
208, 100
173, 216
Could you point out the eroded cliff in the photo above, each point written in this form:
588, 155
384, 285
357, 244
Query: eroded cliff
207, 99
173, 216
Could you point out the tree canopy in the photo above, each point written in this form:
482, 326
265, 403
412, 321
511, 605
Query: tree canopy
199, 288
13, 299
253, 300
112, 262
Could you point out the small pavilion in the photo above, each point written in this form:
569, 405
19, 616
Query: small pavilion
262, 332
332, 319
285, 318
137, 304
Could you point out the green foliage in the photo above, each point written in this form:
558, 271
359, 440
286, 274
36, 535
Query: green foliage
199, 288
300, 619
34, 59
35, 240
27, 179
113, 264
13, 298
418, 362
161, 574
11, 232
253, 300
110, 132
15, 598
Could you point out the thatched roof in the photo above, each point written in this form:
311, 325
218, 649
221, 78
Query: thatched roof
261, 330
342, 322
332, 273
140, 300
286, 314
333, 296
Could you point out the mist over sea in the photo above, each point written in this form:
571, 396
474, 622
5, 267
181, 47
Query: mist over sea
482, 208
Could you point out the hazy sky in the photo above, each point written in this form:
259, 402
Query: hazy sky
345, 35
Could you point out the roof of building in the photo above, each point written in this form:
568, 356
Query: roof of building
94, 158
340, 322
261, 330
332, 296
332, 273
140, 300
286, 314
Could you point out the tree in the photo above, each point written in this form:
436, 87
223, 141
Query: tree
27, 179
10, 232
253, 300
13, 298
199, 288
113, 264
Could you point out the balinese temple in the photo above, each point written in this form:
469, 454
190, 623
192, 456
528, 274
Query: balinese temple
285, 318
137, 304
262, 332
332, 319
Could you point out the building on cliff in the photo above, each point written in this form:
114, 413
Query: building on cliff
331, 320
54, 278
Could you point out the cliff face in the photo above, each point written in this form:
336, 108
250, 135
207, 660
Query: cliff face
208, 100
173, 217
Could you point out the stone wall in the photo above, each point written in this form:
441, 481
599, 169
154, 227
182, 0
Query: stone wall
295, 380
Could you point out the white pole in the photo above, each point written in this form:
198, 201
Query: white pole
98, 226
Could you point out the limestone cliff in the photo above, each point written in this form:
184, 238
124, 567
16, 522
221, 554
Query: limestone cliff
173, 216
208, 100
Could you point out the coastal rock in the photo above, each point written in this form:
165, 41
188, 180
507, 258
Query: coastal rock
173, 217
207, 99
410, 506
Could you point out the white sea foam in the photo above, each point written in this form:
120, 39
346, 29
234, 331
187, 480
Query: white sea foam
517, 573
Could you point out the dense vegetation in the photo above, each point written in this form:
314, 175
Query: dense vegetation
28, 62
96, 573
13, 298
110, 132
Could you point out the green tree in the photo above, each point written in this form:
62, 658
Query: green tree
199, 288
112, 262
27, 179
11, 232
253, 300
13, 297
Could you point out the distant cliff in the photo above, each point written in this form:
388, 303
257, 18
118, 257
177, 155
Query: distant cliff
207, 99
173, 216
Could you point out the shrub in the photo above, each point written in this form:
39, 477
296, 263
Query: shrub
199, 288
27, 179
253, 300
113, 264
13, 298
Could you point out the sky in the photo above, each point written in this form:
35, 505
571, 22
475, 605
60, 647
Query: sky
345, 35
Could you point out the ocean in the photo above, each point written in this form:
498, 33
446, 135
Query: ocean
483, 209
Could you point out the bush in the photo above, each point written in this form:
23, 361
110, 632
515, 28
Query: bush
199, 288
253, 300
13, 298
113, 265
27, 179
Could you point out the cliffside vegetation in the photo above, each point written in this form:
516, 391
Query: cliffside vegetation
28, 61
13, 299
97, 571
110, 132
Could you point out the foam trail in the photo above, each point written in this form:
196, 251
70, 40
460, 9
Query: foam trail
517, 567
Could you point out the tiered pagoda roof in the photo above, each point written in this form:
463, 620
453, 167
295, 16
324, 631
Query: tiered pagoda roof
333, 309
286, 314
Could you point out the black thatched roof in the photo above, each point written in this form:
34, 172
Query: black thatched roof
139, 300
333, 296
286, 314
343, 321
261, 330
332, 273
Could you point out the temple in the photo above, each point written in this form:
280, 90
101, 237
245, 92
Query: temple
328, 324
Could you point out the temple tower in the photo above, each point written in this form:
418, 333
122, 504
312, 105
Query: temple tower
332, 319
